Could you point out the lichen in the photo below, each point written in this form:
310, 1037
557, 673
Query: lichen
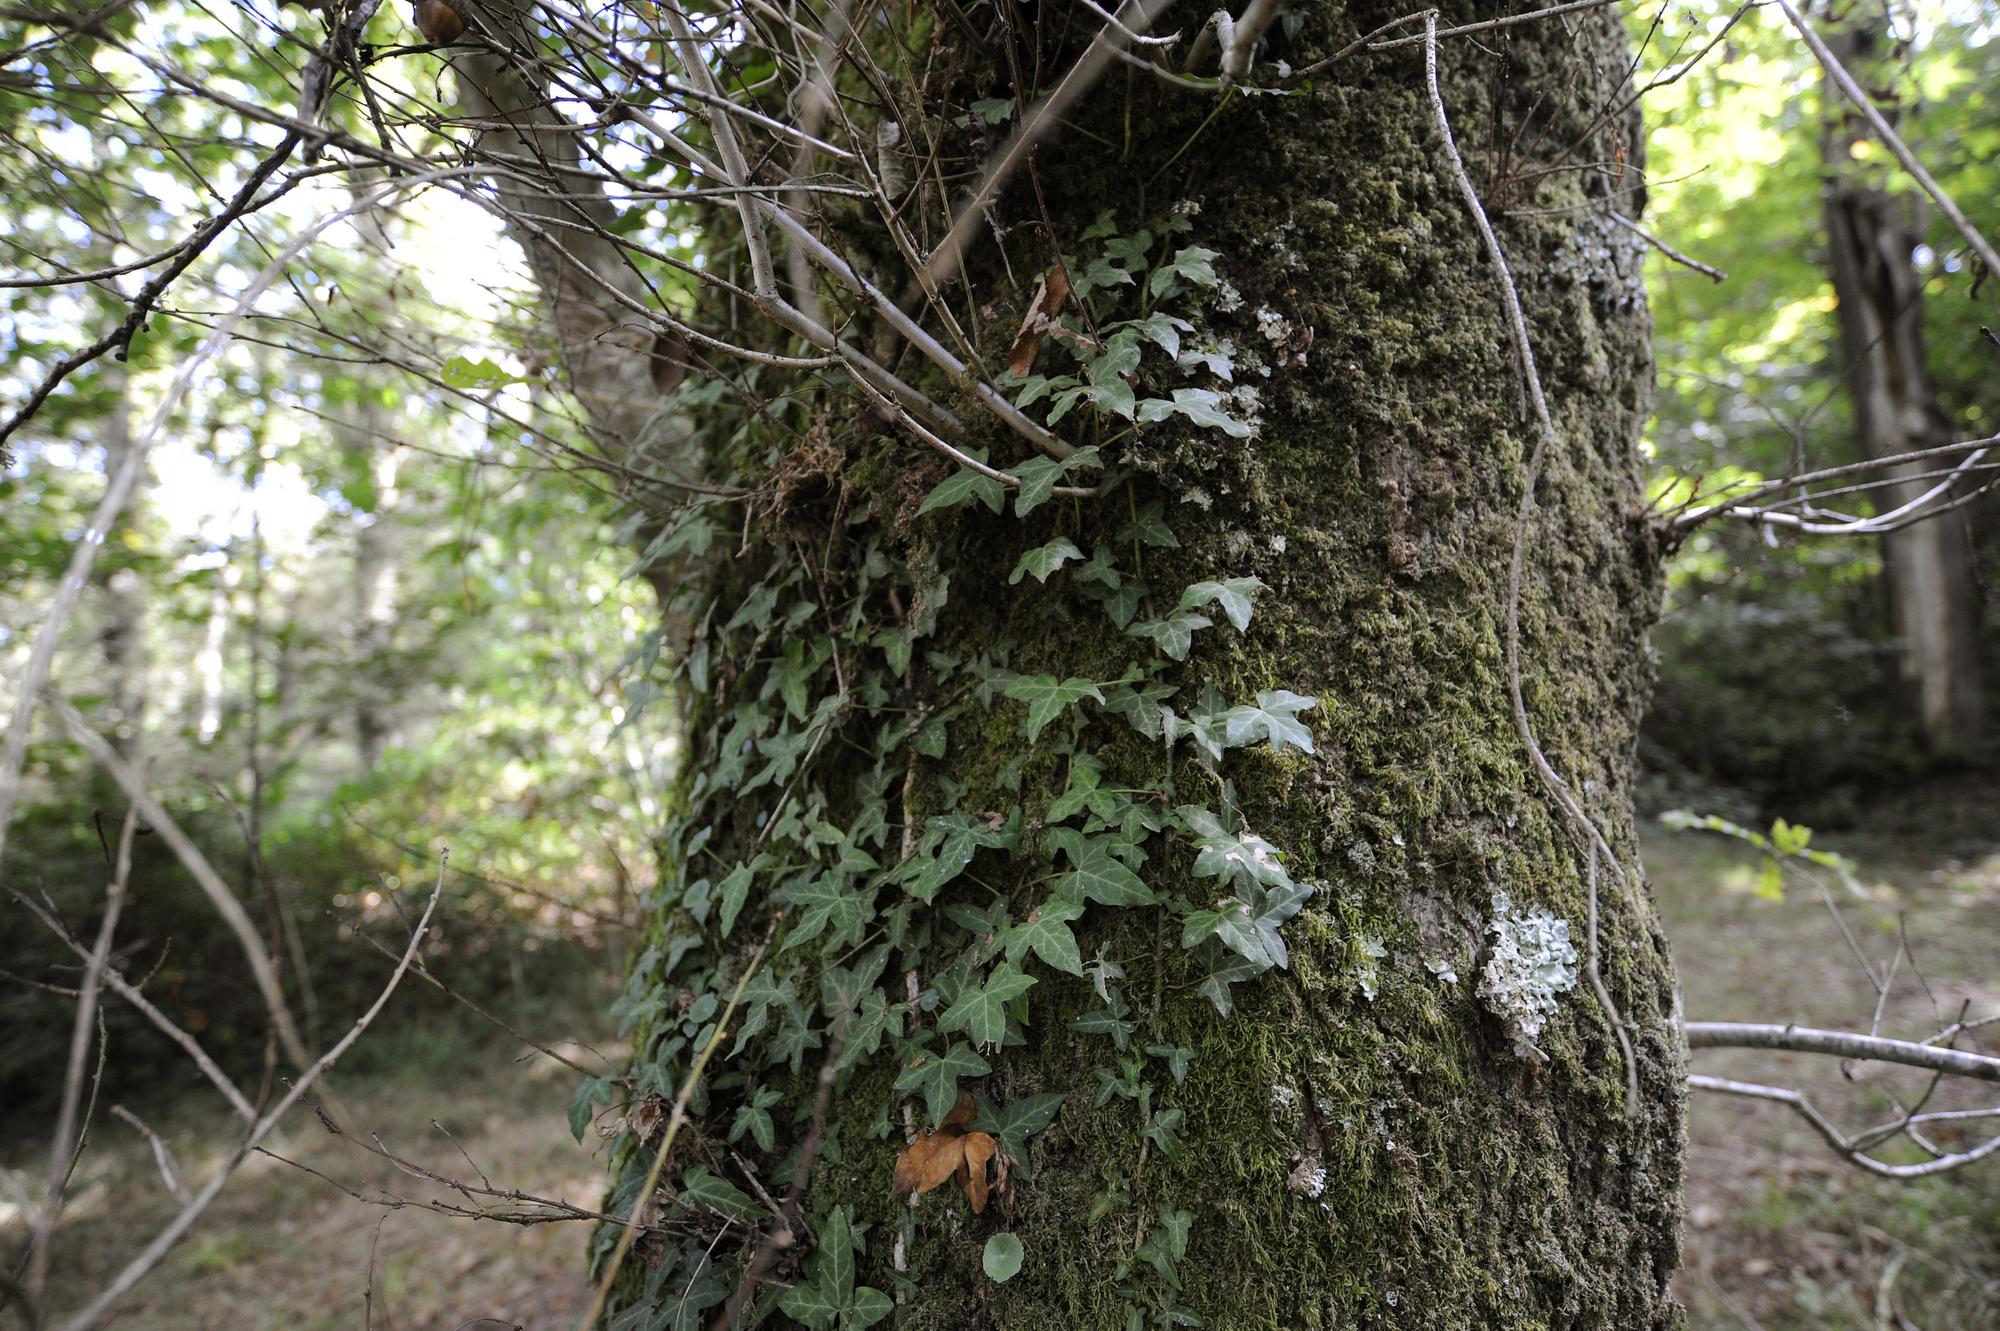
1532, 961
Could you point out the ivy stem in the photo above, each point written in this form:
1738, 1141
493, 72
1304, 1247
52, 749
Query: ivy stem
679, 1117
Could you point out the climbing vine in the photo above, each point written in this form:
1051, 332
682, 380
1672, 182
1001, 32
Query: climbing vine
914, 919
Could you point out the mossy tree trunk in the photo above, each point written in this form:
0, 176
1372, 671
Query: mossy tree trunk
919, 769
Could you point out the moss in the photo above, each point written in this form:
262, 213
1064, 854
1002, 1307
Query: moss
1462, 1188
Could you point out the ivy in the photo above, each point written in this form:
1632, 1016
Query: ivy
920, 920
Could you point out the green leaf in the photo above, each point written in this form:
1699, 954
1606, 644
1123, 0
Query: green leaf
1201, 406
1038, 477
458, 372
755, 1120
1103, 1022
1044, 560
869, 1307
734, 890
1002, 1259
1173, 635
961, 485
1233, 594
1048, 934
1193, 265
981, 1012
827, 902
1017, 1121
1149, 528
936, 1078
1273, 718
1231, 855
1095, 872
809, 1304
702, 1188
1047, 696
583, 1104
993, 110
1251, 929
950, 841
1163, 1131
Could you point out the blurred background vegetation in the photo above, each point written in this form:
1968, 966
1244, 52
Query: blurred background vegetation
367, 608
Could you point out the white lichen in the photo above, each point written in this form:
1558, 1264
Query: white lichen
1367, 974
1532, 962
1443, 969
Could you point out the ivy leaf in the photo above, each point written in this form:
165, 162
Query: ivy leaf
719, 1195
1047, 933
1193, 265
936, 1078
1251, 929
1226, 854
1201, 406
755, 1119
1015, 1122
1002, 1258
1173, 635
1095, 871
1103, 1022
869, 1307
583, 1105
981, 1012
1273, 718
734, 889
961, 485
1047, 696
1038, 477
826, 903
1044, 560
1139, 704
1232, 970
1149, 528
1178, 1057
993, 110
1233, 594
1163, 1131
1163, 331
950, 842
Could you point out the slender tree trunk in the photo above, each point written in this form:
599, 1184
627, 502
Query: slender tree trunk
376, 546
1872, 235
124, 594
1360, 1140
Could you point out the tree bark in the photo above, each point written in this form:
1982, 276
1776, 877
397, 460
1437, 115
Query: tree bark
1872, 235
1359, 1142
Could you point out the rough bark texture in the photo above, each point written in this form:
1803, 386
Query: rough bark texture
1933, 598
1462, 1190
1377, 500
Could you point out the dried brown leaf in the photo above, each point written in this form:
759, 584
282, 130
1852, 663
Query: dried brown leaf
928, 1161
979, 1148
1050, 298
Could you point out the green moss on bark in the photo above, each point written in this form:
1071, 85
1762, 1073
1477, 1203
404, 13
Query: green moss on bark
1349, 1160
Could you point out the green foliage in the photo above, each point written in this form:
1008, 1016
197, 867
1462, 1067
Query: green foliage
1002, 1258
924, 939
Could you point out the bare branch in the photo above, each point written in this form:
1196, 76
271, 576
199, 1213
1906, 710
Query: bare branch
1840, 1044
94, 1314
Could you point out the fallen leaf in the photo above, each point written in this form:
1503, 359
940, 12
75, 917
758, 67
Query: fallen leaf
1049, 300
951, 1151
928, 1161
979, 1148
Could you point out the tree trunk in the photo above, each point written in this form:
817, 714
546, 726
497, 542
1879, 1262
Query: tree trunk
1872, 235
126, 660
916, 764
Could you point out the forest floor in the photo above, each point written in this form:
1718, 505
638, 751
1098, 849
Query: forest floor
1780, 1234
